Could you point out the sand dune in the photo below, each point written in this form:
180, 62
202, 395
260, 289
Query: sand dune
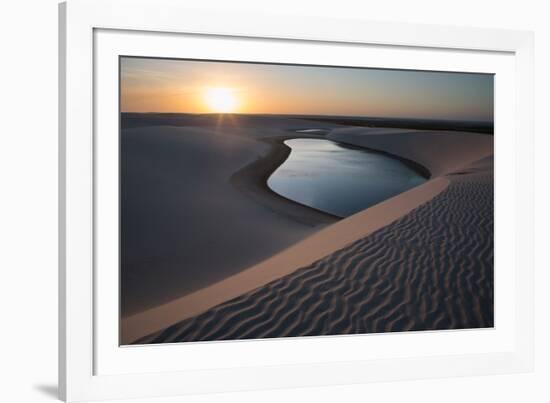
304, 253
430, 269
440, 152
422, 260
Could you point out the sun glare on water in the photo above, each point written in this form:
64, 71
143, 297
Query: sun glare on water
221, 100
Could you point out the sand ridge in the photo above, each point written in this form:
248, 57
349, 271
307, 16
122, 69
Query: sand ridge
431, 269
320, 244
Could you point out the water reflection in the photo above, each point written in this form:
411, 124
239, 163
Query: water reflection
340, 180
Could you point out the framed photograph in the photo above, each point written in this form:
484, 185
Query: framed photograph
252, 201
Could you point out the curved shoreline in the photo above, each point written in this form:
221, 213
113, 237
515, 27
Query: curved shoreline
415, 166
252, 181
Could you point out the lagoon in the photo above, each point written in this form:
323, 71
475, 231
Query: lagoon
338, 179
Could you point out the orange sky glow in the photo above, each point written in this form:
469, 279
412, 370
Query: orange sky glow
169, 85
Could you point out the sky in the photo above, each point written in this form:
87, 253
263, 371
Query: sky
189, 86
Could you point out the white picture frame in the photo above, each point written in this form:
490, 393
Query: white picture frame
85, 343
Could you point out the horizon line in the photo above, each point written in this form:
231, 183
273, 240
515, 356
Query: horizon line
313, 115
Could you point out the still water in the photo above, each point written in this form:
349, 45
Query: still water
340, 180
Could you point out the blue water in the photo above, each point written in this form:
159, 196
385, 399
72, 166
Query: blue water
340, 180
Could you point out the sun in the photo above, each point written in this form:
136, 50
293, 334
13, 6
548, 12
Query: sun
220, 99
